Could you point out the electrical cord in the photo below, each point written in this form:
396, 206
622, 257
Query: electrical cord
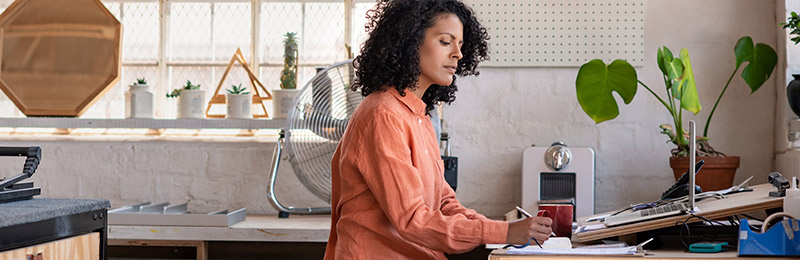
687, 239
773, 216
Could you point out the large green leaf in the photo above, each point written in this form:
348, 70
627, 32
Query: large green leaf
596, 82
760, 68
663, 58
674, 69
762, 60
688, 97
743, 50
660, 60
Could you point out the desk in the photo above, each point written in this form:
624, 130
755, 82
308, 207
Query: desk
255, 228
652, 255
29, 227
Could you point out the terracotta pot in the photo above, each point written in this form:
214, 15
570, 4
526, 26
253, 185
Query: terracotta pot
717, 172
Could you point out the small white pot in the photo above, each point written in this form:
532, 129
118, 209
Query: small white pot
138, 102
282, 102
191, 104
239, 105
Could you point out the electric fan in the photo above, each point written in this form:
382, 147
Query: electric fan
316, 122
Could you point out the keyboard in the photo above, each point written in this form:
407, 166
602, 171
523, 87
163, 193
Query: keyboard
666, 210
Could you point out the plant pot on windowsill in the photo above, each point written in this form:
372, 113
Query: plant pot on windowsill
239, 106
191, 103
138, 102
282, 102
717, 173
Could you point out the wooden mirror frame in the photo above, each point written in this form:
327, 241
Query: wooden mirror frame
58, 56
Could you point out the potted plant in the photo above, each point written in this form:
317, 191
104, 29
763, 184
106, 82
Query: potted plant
191, 100
793, 90
596, 81
239, 102
139, 100
282, 98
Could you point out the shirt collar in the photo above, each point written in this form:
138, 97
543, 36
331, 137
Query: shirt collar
414, 103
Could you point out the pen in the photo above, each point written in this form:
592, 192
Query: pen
528, 215
524, 213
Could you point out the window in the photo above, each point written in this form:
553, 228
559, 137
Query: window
172, 41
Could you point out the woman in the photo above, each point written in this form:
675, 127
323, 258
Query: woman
389, 198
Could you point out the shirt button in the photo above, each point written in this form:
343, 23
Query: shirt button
420, 121
426, 151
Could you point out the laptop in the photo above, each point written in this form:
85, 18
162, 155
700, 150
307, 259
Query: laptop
669, 209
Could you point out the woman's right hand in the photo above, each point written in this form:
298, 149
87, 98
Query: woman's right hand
522, 230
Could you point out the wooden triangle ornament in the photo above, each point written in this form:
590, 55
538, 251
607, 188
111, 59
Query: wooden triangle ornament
254, 82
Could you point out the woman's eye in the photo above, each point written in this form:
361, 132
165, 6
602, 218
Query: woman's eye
444, 43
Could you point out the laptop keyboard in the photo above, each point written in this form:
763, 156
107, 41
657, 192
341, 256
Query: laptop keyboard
663, 209
645, 214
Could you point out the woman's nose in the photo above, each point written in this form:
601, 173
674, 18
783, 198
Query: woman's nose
457, 54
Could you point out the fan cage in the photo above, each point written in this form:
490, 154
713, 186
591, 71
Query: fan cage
317, 122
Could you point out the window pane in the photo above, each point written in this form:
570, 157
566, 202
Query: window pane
323, 35
4, 4
113, 7
110, 105
140, 36
306, 73
232, 23
359, 22
189, 32
140, 29
276, 20
270, 77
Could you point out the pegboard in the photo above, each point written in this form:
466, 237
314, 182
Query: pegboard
561, 33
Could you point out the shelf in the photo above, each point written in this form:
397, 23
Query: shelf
261, 228
64, 122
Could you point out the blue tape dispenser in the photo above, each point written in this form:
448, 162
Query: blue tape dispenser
782, 239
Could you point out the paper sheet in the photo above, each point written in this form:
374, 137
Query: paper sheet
631, 250
553, 242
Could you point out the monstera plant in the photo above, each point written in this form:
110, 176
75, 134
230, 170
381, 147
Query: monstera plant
597, 81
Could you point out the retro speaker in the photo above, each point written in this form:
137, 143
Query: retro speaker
558, 174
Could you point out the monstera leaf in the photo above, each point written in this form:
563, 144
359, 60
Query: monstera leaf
670, 66
596, 82
688, 96
761, 58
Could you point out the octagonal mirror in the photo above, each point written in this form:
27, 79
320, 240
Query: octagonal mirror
58, 56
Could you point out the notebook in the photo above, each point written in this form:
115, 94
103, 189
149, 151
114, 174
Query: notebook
669, 209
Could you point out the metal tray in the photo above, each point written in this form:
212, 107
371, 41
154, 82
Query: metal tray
163, 214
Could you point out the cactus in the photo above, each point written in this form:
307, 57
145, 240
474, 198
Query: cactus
289, 73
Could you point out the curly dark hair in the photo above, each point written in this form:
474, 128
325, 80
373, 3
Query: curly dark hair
390, 56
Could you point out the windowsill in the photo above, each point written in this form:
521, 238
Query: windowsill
138, 129
141, 123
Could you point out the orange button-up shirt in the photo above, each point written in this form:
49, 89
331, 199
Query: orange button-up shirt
389, 197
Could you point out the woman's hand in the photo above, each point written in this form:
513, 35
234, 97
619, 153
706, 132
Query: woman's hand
522, 230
